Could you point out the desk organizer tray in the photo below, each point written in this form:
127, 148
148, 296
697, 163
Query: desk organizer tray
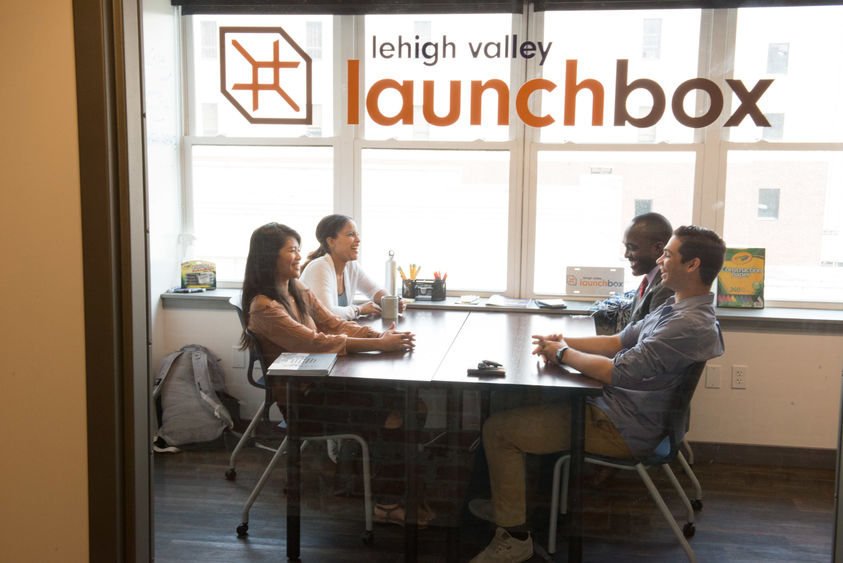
424, 290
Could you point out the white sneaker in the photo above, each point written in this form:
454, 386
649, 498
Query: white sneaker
505, 549
482, 508
162, 447
333, 449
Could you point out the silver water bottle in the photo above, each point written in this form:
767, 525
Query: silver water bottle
389, 284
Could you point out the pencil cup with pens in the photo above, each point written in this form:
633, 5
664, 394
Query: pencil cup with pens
422, 289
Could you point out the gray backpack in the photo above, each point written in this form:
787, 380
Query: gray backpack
189, 384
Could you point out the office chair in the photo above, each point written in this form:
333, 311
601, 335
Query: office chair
665, 452
255, 355
687, 464
263, 412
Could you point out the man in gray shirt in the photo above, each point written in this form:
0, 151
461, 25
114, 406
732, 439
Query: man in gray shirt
641, 369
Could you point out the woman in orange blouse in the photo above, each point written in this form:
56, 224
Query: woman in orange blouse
285, 316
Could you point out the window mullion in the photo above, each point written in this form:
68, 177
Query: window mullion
187, 233
717, 60
526, 174
346, 188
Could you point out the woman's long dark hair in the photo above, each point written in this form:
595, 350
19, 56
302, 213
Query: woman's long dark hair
329, 227
259, 278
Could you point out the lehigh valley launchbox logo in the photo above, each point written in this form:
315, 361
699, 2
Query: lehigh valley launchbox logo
266, 75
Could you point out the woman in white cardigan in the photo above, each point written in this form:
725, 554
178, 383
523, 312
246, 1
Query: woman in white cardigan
333, 274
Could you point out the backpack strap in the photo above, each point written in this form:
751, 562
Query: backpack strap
163, 370
204, 386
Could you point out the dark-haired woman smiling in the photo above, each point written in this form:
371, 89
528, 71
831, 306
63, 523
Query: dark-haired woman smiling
285, 316
333, 273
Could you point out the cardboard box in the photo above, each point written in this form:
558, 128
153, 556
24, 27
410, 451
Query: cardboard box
740, 283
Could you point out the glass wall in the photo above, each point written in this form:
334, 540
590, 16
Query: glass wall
501, 149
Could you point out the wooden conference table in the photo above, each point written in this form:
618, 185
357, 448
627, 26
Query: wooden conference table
447, 343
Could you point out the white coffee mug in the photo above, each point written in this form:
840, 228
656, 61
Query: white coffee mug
389, 307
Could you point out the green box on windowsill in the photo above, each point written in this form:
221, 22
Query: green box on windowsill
740, 283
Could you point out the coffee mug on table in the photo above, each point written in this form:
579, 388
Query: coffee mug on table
389, 307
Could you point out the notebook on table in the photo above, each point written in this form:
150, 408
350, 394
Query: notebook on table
292, 363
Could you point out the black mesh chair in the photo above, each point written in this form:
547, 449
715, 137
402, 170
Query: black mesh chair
665, 452
255, 355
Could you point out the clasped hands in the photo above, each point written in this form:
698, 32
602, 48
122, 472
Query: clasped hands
547, 346
395, 340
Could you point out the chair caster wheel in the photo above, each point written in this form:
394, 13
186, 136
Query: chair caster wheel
688, 530
231, 474
243, 530
696, 504
368, 538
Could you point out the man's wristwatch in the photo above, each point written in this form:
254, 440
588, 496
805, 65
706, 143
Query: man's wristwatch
561, 352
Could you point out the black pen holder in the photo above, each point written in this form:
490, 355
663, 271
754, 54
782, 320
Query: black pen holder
424, 290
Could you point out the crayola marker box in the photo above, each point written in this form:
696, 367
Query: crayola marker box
198, 273
740, 283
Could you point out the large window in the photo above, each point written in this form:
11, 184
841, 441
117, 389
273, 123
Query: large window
805, 244
797, 177
586, 199
584, 57
314, 35
446, 211
451, 165
437, 49
237, 188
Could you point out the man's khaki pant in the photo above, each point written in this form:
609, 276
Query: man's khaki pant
509, 435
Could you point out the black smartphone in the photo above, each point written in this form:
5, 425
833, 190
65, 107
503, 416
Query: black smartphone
494, 372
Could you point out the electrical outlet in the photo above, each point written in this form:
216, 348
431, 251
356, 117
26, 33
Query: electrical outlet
739, 377
238, 357
712, 377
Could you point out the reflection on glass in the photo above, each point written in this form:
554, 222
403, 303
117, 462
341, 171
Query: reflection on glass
805, 241
237, 189
443, 210
585, 200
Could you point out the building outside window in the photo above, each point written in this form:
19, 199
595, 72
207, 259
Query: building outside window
314, 39
777, 55
768, 203
209, 39
651, 42
643, 206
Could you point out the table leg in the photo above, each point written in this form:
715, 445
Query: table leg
574, 520
293, 486
410, 455
454, 428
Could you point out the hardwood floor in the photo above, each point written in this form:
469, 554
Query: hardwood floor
750, 514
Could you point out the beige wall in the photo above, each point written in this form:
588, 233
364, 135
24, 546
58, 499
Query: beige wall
43, 467
792, 396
